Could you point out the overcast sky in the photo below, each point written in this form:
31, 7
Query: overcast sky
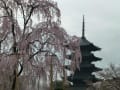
102, 25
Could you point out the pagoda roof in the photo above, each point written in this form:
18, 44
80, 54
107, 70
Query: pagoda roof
84, 43
86, 56
90, 57
90, 66
84, 67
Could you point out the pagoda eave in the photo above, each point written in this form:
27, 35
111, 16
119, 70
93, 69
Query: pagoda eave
91, 58
90, 67
90, 47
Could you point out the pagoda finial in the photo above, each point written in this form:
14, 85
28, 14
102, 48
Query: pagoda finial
83, 28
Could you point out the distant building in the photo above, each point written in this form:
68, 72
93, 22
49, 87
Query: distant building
83, 77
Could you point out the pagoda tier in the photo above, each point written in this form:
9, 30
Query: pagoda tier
86, 68
85, 74
88, 57
87, 46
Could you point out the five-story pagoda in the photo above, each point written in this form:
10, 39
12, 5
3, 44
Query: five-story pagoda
85, 74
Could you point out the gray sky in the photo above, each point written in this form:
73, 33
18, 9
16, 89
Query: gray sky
102, 27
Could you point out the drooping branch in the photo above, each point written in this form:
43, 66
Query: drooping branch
27, 20
40, 50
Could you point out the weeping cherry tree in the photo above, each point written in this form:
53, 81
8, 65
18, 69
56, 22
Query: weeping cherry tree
30, 35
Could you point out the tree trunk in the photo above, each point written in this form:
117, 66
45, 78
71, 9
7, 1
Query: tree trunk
51, 75
15, 81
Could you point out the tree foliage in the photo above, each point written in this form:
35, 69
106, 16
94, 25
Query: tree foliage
30, 35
